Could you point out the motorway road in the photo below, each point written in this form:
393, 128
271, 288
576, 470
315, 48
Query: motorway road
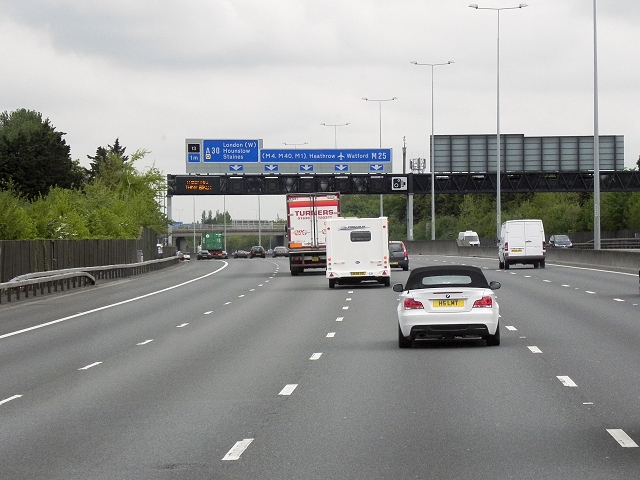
236, 370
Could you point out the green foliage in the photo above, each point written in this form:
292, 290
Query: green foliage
117, 203
34, 157
15, 223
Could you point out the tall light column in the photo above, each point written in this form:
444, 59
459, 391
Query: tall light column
432, 152
380, 116
596, 140
498, 146
335, 131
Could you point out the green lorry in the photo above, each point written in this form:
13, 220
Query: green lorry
212, 245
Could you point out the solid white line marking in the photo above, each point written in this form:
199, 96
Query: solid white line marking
288, 389
534, 349
80, 314
145, 342
211, 311
339, 319
238, 449
315, 356
509, 327
566, 381
345, 308
9, 399
183, 325
621, 437
331, 334
90, 366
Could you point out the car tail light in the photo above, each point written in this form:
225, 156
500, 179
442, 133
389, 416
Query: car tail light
411, 304
486, 301
506, 246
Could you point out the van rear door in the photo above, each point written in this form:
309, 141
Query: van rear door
516, 239
534, 239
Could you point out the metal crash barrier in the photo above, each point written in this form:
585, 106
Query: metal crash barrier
41, 283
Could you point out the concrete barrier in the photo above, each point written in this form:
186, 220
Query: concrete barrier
619, 260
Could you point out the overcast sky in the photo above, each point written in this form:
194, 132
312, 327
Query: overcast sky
153, 73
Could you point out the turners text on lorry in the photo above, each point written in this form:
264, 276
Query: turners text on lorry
307, 214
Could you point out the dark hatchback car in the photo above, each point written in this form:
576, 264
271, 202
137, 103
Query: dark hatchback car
560, 241
240, 254
398, 256
257, 251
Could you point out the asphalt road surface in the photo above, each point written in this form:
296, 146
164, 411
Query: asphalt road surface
237, 370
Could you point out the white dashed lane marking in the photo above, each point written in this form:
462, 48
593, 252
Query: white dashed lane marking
90, 366
621, 437
9, 399
566, 381
288, 389
238, 449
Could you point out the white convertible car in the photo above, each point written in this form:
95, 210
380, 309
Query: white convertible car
447, 302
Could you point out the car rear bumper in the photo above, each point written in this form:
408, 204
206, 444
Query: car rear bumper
426, 332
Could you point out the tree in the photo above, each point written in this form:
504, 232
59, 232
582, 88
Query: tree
103, 155
15, 224
34, 157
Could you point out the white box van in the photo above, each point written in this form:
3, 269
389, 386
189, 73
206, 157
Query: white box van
521, 241
469, 237
357, 251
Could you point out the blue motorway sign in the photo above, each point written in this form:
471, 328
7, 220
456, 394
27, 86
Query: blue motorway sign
340, 157
205, 156
230, 151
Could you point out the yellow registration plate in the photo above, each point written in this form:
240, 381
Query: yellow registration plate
459, 302
516, 250
358, 274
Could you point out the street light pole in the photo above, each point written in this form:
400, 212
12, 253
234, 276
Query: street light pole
380, 117
335, 131
498, 146
432, 152
596, 140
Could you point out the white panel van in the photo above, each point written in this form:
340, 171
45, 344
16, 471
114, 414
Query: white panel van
521, 241
469, 238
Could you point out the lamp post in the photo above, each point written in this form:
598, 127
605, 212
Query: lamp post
295, 145
596, 140
335, 131
432, 151
380, 100
498, 168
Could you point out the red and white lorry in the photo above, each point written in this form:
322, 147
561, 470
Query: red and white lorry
307, 214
